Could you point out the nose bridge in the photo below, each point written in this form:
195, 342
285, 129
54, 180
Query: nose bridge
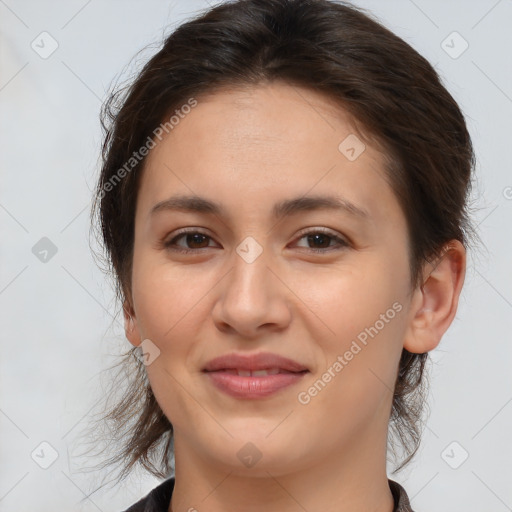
249, 284
251, 296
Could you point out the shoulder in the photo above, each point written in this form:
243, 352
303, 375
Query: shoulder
402, 503
156, 500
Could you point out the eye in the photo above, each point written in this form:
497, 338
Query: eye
322, 237
194, 238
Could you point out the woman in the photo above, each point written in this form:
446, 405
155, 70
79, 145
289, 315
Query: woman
283, 201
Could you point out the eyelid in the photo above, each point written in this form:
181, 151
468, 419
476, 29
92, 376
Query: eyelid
166, 243
342, 240
319, 229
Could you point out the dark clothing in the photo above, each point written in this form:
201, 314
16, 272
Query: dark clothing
159, 498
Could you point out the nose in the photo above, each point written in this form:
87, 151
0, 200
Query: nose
253, 299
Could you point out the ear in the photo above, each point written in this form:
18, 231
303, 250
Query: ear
434, 304
131, 328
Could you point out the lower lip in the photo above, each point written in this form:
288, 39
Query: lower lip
253, 387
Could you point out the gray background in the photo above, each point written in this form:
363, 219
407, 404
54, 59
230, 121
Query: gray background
57, 328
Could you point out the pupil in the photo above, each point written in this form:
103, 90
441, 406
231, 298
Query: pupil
194, 238
325, 237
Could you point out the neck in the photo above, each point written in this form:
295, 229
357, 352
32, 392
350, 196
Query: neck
352, 479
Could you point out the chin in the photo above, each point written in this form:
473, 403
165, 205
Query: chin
254, 451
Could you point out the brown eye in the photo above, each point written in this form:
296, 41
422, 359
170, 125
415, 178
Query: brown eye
320, 238
193, 240
321, 241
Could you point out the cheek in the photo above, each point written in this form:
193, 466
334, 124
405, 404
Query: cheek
348, 300
164, 296
354, 386
360, 318
171, 308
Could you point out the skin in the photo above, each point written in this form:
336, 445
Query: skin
249, 149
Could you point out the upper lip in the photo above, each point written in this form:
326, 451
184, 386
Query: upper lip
253, 362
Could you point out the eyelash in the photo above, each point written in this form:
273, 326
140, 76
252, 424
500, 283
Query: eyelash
170, 245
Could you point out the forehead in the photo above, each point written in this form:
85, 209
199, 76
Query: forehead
266, 143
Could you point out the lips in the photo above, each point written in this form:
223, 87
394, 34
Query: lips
254, 373
253, 376
264, 361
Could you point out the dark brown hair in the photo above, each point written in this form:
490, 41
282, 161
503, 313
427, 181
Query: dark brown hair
397, 102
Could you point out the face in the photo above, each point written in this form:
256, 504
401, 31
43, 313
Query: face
323, 285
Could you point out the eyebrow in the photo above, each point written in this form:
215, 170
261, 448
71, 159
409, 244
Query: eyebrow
288, 207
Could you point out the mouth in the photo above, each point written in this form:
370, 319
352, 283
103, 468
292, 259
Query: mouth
263, 361
253, 376
255, 373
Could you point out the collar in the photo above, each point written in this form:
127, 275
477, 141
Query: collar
159, 498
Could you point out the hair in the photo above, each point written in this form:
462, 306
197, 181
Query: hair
396, 101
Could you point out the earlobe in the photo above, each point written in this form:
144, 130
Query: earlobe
130, 325
434, 304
